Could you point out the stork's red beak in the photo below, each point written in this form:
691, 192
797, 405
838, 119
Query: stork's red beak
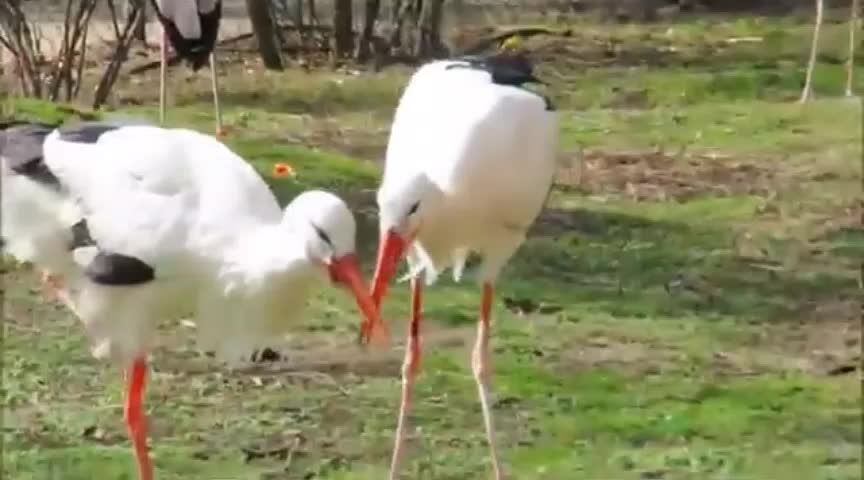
346, 270
390, 252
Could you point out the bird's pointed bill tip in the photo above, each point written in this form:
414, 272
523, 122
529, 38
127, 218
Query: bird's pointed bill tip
390, 252
346, 270
370, 336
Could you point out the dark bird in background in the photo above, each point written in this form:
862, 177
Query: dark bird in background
191, 27
508, 65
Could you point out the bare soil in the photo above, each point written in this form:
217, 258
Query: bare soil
659, 176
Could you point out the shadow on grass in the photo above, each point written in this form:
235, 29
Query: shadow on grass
630, 266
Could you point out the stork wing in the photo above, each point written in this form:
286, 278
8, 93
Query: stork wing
479, 128
131, 184
183, 14
31, 200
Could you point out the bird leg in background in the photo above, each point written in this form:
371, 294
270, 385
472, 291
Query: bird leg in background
54, 290
163, 73
850, 62
136, 422
409, 372
51, 286
215, 82
482, 372
807, 92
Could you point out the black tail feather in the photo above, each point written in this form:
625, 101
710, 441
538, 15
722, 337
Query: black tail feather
505, 68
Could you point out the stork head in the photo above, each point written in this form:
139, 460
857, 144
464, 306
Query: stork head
401, 212
328, 231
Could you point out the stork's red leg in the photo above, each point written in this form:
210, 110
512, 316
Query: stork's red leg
409, 372
136, 422
482, 372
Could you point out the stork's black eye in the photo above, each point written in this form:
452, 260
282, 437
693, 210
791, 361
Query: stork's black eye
413, 209
322, 235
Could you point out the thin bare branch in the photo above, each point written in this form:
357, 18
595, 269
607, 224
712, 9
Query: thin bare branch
20, 39
120, 54
114, 22
79, 74
56, 70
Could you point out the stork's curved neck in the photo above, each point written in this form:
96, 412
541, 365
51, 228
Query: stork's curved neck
397, 197
268, 252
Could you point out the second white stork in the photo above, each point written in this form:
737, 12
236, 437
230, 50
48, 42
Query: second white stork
469, 164
192, 28
147, 224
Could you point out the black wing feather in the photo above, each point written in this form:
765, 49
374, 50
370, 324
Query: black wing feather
505, 69
21, 146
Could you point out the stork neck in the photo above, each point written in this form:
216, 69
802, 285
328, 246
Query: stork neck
270, 250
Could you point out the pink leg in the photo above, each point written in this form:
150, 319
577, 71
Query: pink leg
409, 372
53, 290
51, 285
482, 372
136, 422
163, 73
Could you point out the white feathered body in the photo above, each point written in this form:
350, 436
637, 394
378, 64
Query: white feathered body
198, 214
490, 151
31, 223
263, 284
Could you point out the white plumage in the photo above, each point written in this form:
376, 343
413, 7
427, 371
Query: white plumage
30, 210
469, 164
479, 157
29, 222
211, 236
176, 199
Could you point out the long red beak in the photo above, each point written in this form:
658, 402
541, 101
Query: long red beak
390, 251
346, 270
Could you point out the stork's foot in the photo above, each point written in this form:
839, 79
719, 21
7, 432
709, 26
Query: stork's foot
266, 355
52, 285
54, 290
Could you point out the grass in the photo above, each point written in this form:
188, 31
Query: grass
684, 309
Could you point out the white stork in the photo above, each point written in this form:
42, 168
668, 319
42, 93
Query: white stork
469, 164
192, 28
146, 224
44, 246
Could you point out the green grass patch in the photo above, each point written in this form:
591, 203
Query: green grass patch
656, 337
